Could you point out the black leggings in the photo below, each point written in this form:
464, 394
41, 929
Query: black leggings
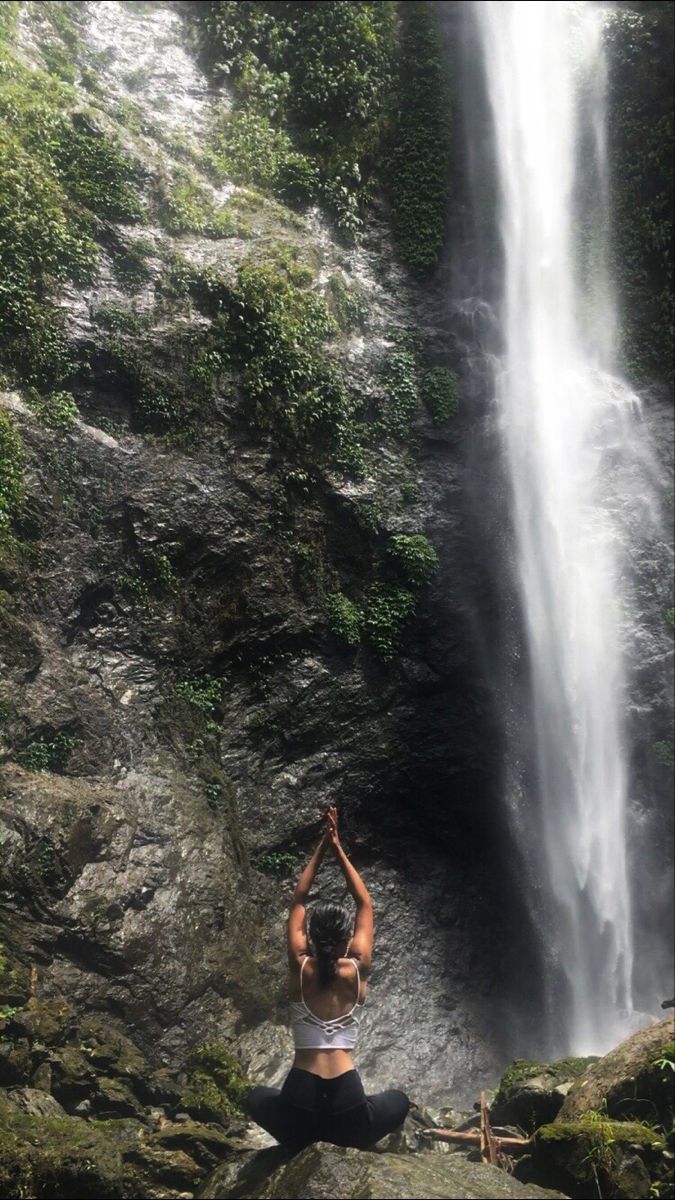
311, 1109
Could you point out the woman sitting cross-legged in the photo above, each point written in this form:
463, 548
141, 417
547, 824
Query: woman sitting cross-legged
322, 1099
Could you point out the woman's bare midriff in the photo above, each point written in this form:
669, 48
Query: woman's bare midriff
325, 1063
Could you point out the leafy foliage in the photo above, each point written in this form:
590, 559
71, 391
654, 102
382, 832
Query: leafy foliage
57, 174
57, 410
640, 107
413, 557
664, 753
312, 83
184, 205
410, 492
168, 381
275, 331
439, 394
349, 305
203, 692
387, 611
47, 753
12, 459
345, 618
418, 170
280, 863
398, 375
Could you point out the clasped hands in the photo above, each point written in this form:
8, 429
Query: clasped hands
330, 835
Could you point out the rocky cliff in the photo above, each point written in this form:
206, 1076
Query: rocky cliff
183, 692
242, 576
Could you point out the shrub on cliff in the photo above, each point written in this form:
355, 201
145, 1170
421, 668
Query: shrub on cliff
11, 472
439, 394
418, 175
413, 557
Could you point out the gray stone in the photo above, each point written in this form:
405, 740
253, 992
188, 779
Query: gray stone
35, 1102
322, 1172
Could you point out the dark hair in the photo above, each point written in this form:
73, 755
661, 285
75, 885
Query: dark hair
329, 924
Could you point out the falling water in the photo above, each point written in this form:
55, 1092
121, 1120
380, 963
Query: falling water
565, 419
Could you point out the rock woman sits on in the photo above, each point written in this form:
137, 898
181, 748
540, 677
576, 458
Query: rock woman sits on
322, 1099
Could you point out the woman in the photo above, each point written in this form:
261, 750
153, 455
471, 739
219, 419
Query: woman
323, 1099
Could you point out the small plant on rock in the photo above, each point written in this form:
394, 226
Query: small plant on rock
216, 1084
439, 394
386, 613
47, 754
345, 618
413, 557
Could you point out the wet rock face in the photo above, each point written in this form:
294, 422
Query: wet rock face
150, 828
136, 865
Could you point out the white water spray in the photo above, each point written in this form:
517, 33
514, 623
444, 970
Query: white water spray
565, 420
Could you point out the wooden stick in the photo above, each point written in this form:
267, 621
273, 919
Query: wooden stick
488, 1148
460, 1135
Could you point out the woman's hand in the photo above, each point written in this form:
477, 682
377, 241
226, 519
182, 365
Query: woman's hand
331, 826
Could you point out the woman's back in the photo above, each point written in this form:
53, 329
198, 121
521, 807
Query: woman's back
331, 1000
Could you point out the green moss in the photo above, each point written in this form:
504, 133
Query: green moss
47, 1156
418, 172
591, 1149
523, 1069
216, 1084
14, 983
345, 618
439, 394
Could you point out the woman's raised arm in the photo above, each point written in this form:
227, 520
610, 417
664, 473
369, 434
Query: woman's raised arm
361, 945
297, 936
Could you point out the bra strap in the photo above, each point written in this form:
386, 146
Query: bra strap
302, 967
358, 980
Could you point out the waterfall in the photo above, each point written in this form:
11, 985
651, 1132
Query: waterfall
568, 424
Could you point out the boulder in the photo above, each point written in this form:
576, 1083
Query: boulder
531, 1094
595, 1156
57, 1156
323, 1171
628, 1082
45, 1152
35, 1102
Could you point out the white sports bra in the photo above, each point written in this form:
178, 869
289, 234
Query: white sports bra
315, 1033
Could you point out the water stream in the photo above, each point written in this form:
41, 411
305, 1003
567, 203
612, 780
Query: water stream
569, 427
